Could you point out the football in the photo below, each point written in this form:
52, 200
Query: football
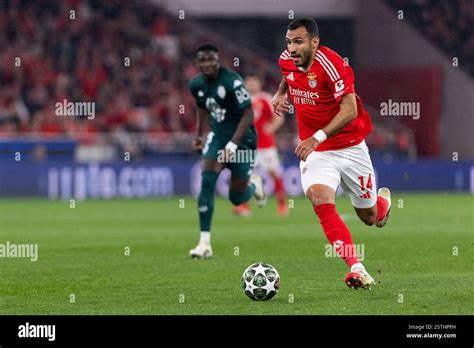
260, 281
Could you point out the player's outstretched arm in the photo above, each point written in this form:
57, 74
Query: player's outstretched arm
273, 126
198, 143
346, 115
245, 122
280, 99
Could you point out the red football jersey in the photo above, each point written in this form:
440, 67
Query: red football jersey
263, 114
316, 95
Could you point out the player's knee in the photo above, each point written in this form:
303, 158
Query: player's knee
237, 187
368, 217
320, 198
236, 198
369, 221
238, 184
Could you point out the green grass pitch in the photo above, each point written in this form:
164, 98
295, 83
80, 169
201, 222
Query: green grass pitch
423, 258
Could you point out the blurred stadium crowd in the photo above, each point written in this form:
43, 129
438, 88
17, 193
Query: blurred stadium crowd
448, 24
134, 60
116, 54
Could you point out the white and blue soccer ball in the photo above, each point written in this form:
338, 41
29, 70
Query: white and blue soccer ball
260, 281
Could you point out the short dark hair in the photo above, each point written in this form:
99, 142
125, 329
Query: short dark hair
310, 25
207, 47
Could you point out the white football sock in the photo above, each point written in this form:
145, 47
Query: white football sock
356, 267
205, 238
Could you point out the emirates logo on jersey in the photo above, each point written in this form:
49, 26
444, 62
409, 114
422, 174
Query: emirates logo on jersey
312, 79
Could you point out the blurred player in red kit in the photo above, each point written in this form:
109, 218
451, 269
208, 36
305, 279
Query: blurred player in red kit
266, 123
332, 126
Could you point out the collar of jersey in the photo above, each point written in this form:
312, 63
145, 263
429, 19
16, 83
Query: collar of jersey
309, 67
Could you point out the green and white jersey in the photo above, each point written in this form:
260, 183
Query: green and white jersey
225, 98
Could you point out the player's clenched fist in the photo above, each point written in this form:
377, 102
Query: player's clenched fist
304, 149
197, 145
280, 104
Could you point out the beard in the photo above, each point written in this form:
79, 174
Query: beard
304, 59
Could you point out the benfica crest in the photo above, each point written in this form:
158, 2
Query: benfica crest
312, 79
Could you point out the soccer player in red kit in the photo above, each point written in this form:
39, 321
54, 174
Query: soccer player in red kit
266, 124
332, 126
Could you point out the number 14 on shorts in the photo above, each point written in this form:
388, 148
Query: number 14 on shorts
367, 187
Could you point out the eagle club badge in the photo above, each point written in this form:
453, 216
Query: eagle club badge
221, 92
312, 79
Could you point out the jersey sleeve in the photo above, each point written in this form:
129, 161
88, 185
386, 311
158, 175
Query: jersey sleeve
283, 62
194, 89
339, 75
240, 94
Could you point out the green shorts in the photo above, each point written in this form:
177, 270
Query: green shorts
244, 159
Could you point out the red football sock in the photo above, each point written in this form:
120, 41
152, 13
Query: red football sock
337, 232
279, 190
382, 208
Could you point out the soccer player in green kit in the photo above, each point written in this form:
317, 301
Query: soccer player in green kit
221, 96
